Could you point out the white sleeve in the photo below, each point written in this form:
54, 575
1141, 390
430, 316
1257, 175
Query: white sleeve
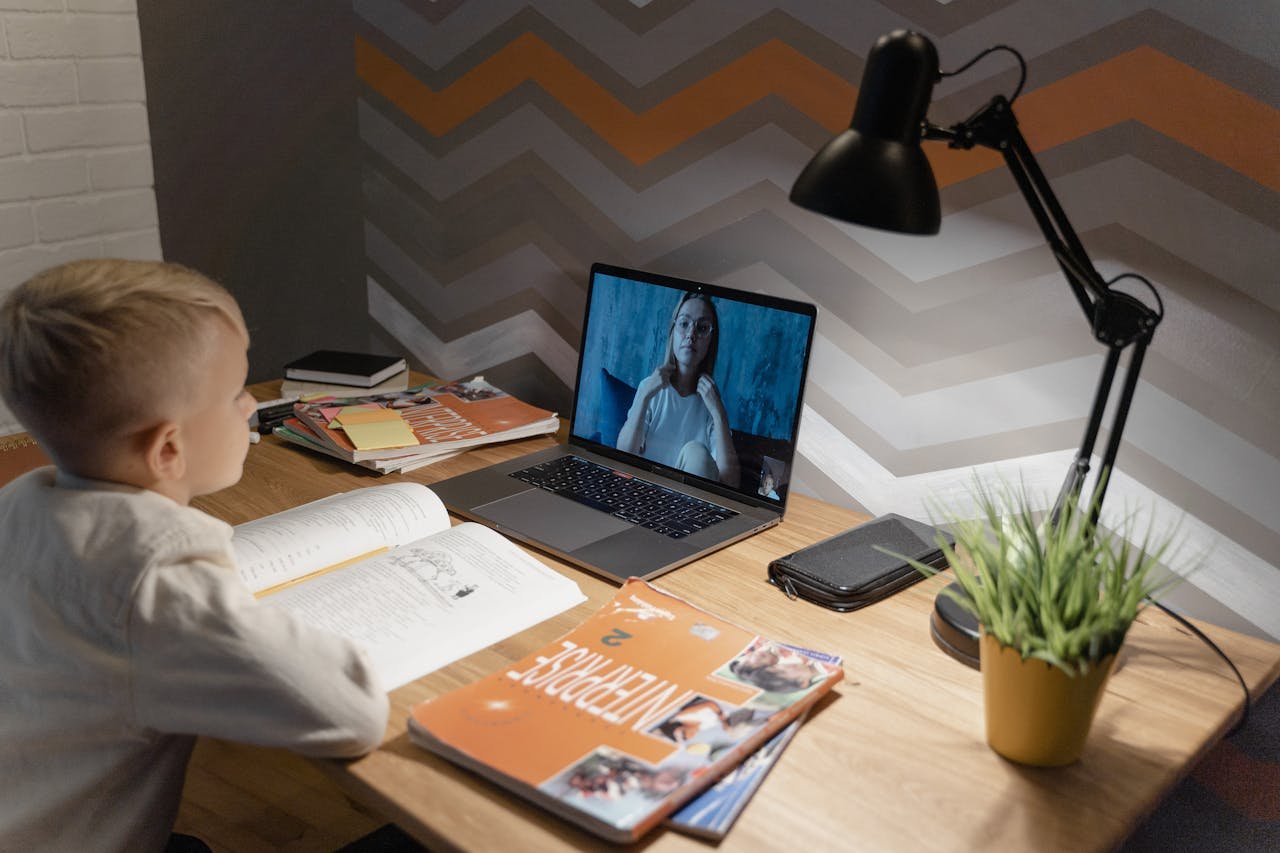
208, 659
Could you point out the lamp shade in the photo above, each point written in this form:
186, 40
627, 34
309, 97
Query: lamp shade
875, 173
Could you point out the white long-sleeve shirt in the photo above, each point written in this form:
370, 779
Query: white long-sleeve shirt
124, 633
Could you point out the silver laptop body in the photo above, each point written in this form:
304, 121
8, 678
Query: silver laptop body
635, 321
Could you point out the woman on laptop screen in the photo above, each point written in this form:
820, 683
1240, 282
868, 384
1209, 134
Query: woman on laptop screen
677, 417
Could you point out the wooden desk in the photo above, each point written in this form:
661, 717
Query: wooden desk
896, 759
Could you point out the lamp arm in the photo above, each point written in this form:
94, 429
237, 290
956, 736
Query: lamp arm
995, 127
1119, 321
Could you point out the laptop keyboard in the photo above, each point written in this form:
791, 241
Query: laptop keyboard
660, 509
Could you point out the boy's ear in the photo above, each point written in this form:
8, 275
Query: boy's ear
163, 452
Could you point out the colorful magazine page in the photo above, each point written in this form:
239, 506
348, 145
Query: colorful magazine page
628, 716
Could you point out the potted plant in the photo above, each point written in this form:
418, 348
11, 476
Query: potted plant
1054, 602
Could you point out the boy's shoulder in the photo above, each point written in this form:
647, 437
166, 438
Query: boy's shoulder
105, 520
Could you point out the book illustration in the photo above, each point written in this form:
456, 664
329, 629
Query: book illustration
629, 715
436, 569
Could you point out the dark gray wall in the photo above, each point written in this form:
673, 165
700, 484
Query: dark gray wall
253, 136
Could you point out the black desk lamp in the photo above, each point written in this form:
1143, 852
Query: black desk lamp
876, 174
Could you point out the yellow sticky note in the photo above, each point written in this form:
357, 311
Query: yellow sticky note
330, 413
380, 434
357, 415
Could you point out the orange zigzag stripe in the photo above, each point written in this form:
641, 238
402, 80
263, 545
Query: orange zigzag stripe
771, 69
1142, 85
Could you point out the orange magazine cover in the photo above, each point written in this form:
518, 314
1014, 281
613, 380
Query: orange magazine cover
629, 715
443, 416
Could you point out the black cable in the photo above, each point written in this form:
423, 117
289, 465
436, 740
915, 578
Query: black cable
1244, 715
1151, 287
1022, 67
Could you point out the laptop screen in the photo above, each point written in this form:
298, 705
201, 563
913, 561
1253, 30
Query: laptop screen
680, 376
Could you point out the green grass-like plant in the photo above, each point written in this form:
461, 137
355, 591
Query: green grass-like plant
1064, 593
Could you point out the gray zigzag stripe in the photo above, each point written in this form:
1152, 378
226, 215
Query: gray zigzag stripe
439, 237
1069, 338
551, 120
764, 232
1210, 371
937, 333
1131, 192
765, 153
719, 28
716, 263
479, 296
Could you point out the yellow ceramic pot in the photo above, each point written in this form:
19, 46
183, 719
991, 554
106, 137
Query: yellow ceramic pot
1037, 714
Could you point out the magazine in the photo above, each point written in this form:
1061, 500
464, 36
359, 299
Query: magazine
294, 432
628, 716
382, 566
442, 417
712, 813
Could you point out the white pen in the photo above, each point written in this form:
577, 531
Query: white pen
292, 398
254, 438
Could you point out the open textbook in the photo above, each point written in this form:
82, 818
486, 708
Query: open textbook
382, 566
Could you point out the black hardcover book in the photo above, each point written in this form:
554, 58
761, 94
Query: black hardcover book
361, 370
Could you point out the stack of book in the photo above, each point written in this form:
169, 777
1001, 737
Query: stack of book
403, 430
336, 372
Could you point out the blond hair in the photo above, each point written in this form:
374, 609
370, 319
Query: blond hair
92, 349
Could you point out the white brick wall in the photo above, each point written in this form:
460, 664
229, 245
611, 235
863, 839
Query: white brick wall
75, 154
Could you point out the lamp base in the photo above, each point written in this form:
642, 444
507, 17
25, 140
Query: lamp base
954, 629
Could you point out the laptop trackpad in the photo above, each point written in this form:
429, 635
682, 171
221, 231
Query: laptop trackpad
554, 521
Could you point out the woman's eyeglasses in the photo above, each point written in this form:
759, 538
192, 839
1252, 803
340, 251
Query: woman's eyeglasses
701, 328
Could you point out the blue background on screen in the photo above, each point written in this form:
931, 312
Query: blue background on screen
758, 368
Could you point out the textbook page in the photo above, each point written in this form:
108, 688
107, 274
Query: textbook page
423, 605
331, 531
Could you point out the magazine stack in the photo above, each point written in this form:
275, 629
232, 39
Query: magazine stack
403, 430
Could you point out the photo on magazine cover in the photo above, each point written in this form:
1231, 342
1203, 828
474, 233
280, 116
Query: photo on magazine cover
704, 727
782, 673
616, 787
714, 811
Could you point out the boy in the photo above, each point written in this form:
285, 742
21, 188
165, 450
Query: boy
124, 628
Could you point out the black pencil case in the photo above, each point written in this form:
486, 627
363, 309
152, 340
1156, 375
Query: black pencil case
846, 571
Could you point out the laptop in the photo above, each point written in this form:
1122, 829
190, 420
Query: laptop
652, 475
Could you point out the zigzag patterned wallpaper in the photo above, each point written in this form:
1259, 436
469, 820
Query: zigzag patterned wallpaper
507, 145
